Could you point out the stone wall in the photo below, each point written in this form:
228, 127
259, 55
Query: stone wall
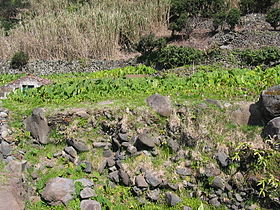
41, 67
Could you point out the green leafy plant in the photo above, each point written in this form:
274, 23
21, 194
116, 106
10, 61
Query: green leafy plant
149, 43
178, 24
256, 6
264, 55
273, 17
19, 60
251, 158
182, 11
233, 18
173, 56
202, 8
78, 188
269, 185
218, 20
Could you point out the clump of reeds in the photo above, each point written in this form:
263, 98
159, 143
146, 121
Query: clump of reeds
64, 29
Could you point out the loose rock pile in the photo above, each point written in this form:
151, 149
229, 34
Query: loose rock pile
6, 140
270, 107
11, 189
126, 141
41, 67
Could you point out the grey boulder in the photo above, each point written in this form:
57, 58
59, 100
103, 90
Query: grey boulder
87, 193
124, 177
184, 171
90, 205
218, 183
152, 179
172, 199
85, 182
71, 151
161, 104
222, 158
5, 148
270, 102
38, 126
141, 182
153, 195
144, 142
272, 129
78, 145
58, 191
247, 114
16, 166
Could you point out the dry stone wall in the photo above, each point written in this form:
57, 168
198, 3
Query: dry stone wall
45, 67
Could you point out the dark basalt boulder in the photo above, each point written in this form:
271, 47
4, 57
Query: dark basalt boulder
272, 129
144, 142
269, 103
78, 145
172, 199
152, 179
272, 132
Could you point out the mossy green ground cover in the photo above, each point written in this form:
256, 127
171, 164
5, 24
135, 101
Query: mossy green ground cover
232, 84
86, 89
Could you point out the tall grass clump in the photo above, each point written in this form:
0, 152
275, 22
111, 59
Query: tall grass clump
64, 29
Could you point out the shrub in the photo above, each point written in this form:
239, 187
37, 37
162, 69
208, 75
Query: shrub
178, 24
181, 10
173, 56
265, 56
256, 6
218, 20
148, 43
19, 60
233, 18
273, 18
204, 8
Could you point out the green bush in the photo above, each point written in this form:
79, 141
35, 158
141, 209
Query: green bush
204, 8
173, 56
218, 20
179, 23
19, 60
148, 43
273, 18
233, 18
181, 10
265, 56
256, 6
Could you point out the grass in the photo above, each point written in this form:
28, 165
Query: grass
3, 177
211, 126
93, 29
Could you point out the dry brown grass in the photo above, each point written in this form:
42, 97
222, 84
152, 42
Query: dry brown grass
233, 3
55, 29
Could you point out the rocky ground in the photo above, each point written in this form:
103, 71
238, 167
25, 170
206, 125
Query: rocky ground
157, 154
162, 155
253, 32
